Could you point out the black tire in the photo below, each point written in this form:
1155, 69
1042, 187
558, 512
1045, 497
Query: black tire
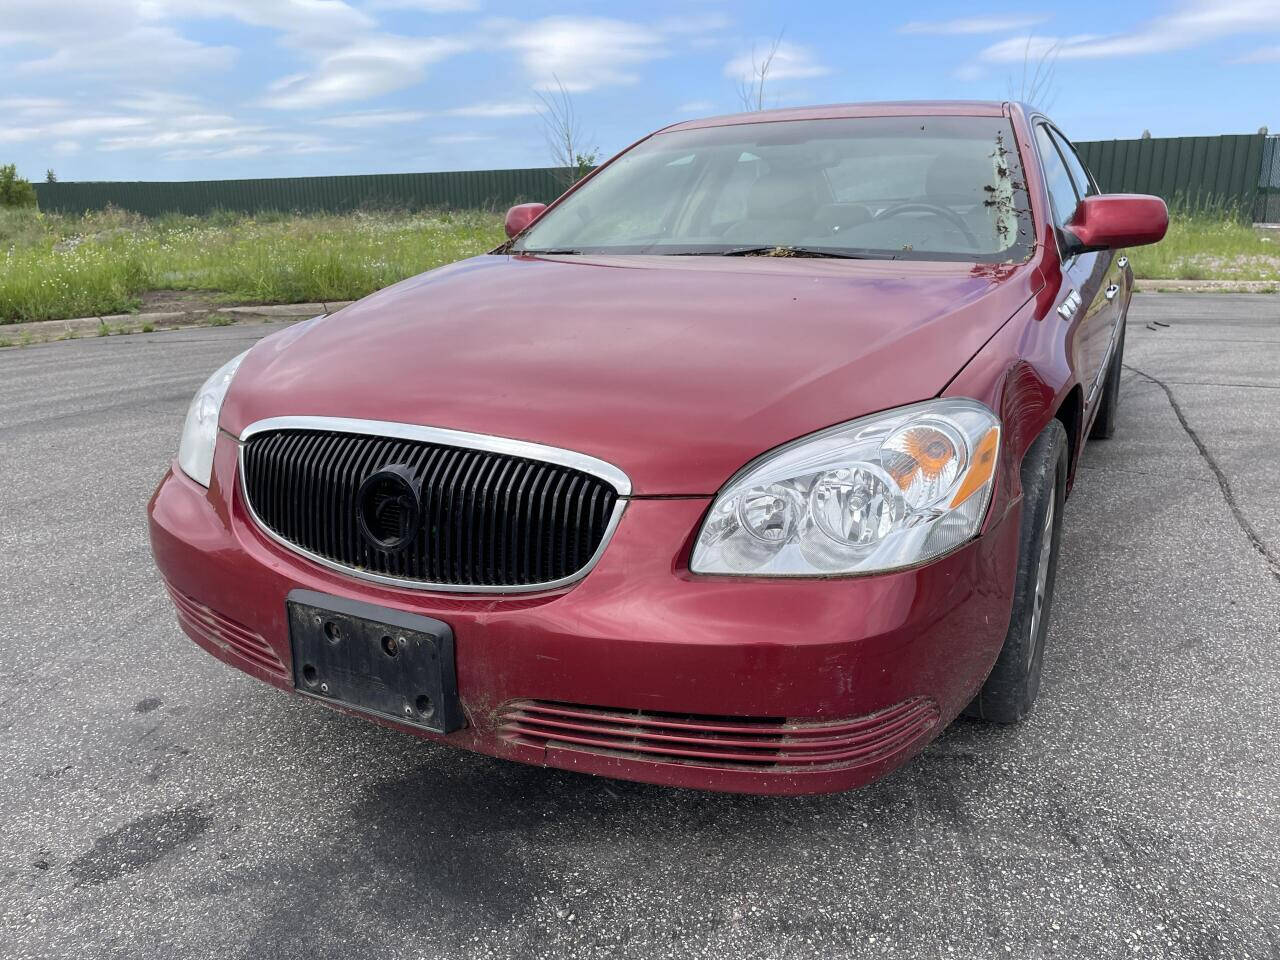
1011, 688
1104, 424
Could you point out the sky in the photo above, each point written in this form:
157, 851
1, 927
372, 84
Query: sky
213, 89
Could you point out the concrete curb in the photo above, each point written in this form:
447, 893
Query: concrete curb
42, 331
287, 309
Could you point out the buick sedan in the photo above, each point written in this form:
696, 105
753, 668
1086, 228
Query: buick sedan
741, 466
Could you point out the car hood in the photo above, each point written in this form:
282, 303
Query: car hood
678, 370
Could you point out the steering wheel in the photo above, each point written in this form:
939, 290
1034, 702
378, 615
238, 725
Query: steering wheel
919, 206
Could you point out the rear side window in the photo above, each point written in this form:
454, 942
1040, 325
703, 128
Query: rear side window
1084, 186
1062, 191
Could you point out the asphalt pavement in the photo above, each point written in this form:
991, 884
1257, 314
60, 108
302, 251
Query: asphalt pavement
155, 803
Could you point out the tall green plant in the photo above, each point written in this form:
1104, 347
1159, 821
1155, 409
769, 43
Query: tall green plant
14, 191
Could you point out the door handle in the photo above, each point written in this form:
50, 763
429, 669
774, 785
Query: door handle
1122, 262
1111, 292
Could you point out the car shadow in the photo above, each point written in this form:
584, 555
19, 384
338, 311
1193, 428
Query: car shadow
485, 842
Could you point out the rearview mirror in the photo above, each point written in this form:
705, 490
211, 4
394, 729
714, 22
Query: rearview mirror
1117, 220
521, 215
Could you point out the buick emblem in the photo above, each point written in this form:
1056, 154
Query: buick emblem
387, 508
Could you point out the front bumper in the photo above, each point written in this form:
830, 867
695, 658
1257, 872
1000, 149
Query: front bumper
640, 644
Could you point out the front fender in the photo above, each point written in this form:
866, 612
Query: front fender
1024, 374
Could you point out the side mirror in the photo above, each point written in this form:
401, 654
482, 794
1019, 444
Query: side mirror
521, 215
1117, 220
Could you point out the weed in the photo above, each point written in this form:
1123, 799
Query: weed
148, 328
1203, 247
221, 320
54, 266
104, 330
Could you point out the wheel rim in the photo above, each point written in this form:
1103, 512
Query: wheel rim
1042, 578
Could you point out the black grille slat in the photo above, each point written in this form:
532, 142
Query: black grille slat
493, 537
486, 519
527, 522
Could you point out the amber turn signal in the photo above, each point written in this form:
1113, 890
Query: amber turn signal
983, 466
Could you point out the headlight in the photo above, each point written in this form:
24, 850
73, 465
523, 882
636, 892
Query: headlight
200, 432
887, 491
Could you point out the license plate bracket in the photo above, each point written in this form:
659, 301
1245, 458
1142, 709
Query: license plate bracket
379, 661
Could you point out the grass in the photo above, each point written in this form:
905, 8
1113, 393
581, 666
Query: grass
1210, 248
54, 267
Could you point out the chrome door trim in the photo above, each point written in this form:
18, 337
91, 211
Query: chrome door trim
455, 438
1106, 362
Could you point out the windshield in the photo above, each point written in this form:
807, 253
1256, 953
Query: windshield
928, 188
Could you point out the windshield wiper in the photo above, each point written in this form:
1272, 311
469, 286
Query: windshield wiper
790, 251
526, 252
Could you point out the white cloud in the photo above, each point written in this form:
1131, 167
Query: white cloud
46, 23
131, 64
304, 21
10, 134
245, 150
1261, 55
696, 106
373, 118
366, 68
83, 126
1193, 25
583, 53
790, 62
221, 143
495, 109
984, 24
166, 52
14, 106
427, 6
174, 138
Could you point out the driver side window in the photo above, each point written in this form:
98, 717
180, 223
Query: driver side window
1062, 192
1084, 185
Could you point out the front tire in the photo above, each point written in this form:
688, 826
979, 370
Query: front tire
1010, 690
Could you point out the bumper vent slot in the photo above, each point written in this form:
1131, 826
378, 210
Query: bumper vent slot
731, 742
226, 633
483, 520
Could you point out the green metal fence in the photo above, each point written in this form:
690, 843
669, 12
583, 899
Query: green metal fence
1190, 173
1267, 207
1221, 174
469, 189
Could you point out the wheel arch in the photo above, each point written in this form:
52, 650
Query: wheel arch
1070, 413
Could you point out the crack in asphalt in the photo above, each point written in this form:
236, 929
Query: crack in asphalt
1272, 561
1214, 383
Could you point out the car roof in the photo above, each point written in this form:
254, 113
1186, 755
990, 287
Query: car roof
886, 108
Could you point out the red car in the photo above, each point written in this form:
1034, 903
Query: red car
740, 467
